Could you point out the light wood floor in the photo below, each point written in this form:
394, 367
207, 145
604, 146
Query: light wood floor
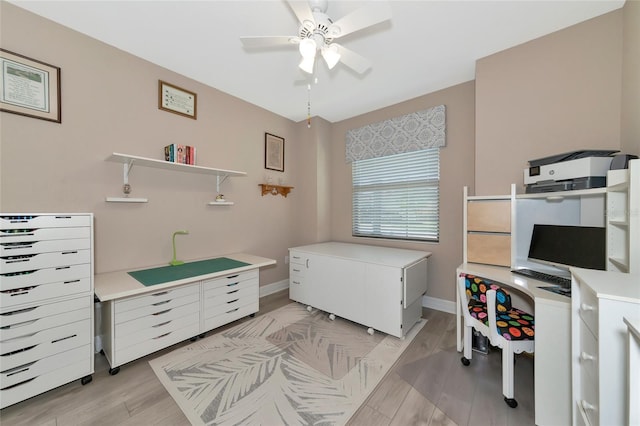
427, 386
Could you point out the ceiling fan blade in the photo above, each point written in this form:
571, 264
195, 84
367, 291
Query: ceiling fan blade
269, 41
358, 63
373, 13
302, 10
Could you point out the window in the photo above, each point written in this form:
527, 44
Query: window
397, 196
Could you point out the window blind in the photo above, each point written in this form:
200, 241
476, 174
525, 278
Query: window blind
397, 196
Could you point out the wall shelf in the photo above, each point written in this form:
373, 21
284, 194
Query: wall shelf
275, 189
128, 161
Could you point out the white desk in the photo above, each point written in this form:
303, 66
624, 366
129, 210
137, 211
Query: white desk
139, 319
552, 359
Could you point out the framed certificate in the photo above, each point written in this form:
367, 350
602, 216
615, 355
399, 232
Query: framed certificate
177, 100
29, 87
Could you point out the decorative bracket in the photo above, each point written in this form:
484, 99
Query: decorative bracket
275, 189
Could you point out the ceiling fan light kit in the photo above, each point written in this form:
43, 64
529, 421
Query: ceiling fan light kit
317, 32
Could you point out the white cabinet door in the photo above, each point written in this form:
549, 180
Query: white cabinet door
382, 298
336, 286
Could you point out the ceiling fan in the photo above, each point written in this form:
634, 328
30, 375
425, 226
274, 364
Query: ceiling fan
318, 31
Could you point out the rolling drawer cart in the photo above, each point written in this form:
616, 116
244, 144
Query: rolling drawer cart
46, 303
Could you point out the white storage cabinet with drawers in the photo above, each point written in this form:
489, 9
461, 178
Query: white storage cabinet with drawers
378, 287
138, 320
46, 302
600, 300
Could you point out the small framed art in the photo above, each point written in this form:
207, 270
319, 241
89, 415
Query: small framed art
273, 152
177, 100
29, 87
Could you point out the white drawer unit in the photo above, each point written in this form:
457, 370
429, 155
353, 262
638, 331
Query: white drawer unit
229, 298
46, 302
146, 321
599, 302
378, 287
143, 324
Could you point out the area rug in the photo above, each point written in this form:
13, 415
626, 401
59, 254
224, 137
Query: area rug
286, 367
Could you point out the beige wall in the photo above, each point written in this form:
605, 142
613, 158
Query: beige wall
630, 121
577, 88
558, 93
109, 104
456, 171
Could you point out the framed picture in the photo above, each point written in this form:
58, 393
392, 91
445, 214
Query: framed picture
273, 152
29, 87
177, 100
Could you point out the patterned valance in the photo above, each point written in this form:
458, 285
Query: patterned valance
411, 132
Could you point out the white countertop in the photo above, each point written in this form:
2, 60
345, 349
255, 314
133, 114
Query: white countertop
528, 286
365, 253
118, 284
611, 285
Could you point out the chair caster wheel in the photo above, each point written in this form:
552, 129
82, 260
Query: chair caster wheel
465, 361
371, 331
86, 379
511, 402
114, 371
332, 317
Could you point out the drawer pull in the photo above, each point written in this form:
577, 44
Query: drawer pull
70, 252
64, 338
233, 310
17, 259
18, 291
18, 384
162, 312
162, 335
19, 369
296, 282
232, 301
17, 351
161, 303
232, 276
586, 357
234, 291
15, 246
296, 270
19, 311
161, 324
15, 274
63, 267
296, 257
307, 263
232, 284
586, 308
586, 406
161, 293
17, 325
71, 282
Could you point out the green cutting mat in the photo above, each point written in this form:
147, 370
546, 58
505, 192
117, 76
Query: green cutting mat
165, 274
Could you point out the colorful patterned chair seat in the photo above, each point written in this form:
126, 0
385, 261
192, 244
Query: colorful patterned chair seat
512, 323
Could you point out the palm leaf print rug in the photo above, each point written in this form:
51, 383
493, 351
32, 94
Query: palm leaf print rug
286, 367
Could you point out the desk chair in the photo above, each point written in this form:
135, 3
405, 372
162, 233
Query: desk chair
487, 307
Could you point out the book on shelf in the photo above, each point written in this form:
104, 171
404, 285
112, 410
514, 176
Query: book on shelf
178, 153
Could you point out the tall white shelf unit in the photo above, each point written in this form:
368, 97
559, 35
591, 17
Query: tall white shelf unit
128, 161
623, 219
46, 302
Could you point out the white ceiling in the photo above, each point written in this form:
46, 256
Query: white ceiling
427, 45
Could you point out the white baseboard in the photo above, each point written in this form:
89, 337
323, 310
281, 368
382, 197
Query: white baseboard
427, 302
439, 304
268, 289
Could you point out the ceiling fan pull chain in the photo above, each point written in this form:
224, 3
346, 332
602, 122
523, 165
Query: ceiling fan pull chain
308, 106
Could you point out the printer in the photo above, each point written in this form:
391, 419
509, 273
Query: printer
568, 171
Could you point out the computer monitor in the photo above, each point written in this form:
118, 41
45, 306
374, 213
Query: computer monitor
564, 246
